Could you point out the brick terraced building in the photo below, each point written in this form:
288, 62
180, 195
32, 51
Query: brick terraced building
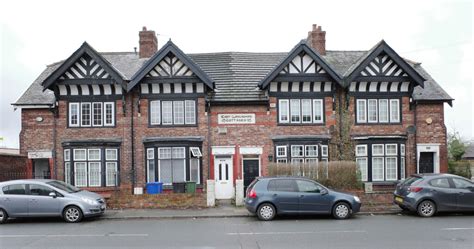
104, 121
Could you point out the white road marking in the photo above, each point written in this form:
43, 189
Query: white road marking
457, 228
307, 232
75, 235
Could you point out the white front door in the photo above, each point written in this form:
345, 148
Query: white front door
223, 172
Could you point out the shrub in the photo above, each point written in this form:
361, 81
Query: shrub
335, 174
460, 168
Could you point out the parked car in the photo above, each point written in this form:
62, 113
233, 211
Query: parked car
428, 194
269, 196
43, 198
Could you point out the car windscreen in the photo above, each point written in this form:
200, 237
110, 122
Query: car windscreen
63, 186
412, 181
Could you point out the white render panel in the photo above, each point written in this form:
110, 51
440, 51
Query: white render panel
248, 150
297, 62
178, 88
352, 87
118, 89
85, 89
373, 86
327, 86
74, 90
95, 90
284, 87
384, 86
189, 87
223, 150
155, 88
62, 90
404, 87
306, 61
144, 88
306, 86
394, 87
273, 86
166, 88
200, 87
295, 87
107, 90
362, 86
317, 87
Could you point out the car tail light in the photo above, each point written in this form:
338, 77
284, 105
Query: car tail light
415, 189
252, 194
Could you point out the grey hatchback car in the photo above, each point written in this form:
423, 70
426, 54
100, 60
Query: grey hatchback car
269, 196
428, 194
44, 198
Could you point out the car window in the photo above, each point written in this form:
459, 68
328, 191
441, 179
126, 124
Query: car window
36, 189
307, 186
412, 181
64, 186
461, 183
440, 183
14, 189
284, 185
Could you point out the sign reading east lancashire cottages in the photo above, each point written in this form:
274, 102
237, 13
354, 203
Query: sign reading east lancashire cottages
243, 118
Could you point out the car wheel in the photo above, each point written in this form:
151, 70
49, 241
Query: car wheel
341, 211
3, 216
426, 209
266, 212
72, 214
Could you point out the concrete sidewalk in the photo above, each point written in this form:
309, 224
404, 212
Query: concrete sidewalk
214, 212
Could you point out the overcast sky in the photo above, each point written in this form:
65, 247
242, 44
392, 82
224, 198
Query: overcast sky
437, 33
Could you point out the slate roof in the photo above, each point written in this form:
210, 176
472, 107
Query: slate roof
469, 153
236, 74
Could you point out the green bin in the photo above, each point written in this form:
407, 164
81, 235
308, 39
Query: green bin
190, 187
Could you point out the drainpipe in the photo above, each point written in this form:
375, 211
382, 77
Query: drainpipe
55, 112
416, 132
132, 135
209, 138
340, 125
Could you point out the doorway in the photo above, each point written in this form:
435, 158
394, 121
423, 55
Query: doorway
426, 162
251, 170
41, 169
224, 175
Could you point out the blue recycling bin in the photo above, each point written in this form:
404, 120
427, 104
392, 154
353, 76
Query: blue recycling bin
154, 188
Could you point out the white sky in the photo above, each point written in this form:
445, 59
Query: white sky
437, 33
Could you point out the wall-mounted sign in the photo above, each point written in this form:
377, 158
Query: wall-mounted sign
241, 118
39, 154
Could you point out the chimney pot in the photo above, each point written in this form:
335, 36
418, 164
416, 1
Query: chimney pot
317, 39
148, 43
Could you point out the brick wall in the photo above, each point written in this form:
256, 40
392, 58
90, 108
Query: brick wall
12, 167
36, 135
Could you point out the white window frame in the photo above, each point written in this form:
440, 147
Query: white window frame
78, 159
402, 149
387, 150
378, 154
93, 159
386, 168
155, 112
394, 110
306, 110
297, 160
195, 152
383, 168
190, 112
284, 147
107, 179
112, 105
107, 158
364, 146
150, 155
163, 113
89, 172
67, 172
93, 119
324, 151
296, 108
198, 169
90, 114
78, 114
282, 160
286, 104
402, 168
363, 168
364, 111
369, 111
316, 110
306, 151
178, 119
386, 109
85, 175
292, 150
67, 155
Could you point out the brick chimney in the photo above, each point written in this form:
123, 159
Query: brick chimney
317, 39
148, 43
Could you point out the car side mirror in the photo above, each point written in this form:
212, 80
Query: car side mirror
471, 188
53, 194
324, 191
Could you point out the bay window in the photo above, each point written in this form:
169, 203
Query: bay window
381, 161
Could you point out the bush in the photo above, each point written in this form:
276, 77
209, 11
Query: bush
460, 168
335, 174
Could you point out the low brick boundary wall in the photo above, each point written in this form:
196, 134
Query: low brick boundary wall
164, 200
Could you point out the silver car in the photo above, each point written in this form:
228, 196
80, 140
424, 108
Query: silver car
45, 198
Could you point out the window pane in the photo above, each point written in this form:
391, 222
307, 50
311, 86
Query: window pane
311, 150
194, 170
383, 110
190, 112
372, 110
79, 155
282, 160
312, 161
281, 151
155, 112
361, 111
361, 150
283, 111
179, 152
151, 170
394, 110
85, 114
324, 150
377, 150
297, 151
307, 186
67, 172
402, 149
461, 183
109, 113
178, 107
164, 153
15, 189
111, 154
318, 110
178, 170
40, 190
80, 174
377, 168
150, 153
391, 149
402, 168
111, 174
167, 112
306, 110
295, 111
94, 174
440, 183
67, 155
97, 114
74, 114
165, 171
391, 169
94, 154
362, 165
283, 185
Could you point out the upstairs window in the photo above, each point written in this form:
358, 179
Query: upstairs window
179, 112
91, 114
377, 111
300, 111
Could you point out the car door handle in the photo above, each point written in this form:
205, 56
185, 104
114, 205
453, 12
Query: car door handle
301, 195
275, 195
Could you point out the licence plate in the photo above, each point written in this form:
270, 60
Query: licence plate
399, 199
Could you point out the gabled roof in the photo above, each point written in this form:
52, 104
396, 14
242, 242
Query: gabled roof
84, 49
300, 47
169, 47
380, 47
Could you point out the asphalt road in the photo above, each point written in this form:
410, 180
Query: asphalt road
389, 231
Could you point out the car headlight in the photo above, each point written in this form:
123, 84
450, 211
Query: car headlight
89, 201
356, 199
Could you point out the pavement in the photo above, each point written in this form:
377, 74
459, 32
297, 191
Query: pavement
221, 211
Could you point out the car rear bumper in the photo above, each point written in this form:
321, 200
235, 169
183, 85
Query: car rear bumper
405, 201
251, 205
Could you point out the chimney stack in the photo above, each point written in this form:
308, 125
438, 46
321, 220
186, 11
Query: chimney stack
317, 39
148, 43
